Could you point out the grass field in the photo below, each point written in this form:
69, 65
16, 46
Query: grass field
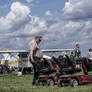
13, 83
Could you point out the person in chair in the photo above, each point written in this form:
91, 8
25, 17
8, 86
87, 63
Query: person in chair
90, 55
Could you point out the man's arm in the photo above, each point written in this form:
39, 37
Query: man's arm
32, 49
31, 55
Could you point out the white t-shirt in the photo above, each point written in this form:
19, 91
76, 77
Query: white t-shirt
36, 49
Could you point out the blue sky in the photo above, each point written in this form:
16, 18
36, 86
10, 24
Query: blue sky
44, 5
62, 23
39, 7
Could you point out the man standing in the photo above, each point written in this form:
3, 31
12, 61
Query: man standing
77, 55
35, 54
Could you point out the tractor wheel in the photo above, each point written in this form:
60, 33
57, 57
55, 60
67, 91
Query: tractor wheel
50, 82
73, 82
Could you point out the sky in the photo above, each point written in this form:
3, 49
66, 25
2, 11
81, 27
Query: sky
62, 23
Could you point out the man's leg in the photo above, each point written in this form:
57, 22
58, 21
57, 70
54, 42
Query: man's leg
35, 77
34, 71
36, 74
3, 68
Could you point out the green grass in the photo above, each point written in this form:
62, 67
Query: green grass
13, 83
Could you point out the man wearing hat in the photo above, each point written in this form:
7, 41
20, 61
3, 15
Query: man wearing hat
35, 54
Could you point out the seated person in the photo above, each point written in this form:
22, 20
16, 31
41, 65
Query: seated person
66, 65
88, 60
90, 55
64, 61
72, 56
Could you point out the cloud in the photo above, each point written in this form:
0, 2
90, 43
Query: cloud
48, 13
13, 24
15, 19
18, 27
29, 1
78, 9
35, 26
32, 1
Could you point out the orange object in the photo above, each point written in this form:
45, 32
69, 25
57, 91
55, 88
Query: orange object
57, 67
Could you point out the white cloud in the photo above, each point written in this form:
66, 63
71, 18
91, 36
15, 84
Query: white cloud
29, 1
18, 15
12, 25
18, 27
48, 13
32, 1
78, 9
35, 26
